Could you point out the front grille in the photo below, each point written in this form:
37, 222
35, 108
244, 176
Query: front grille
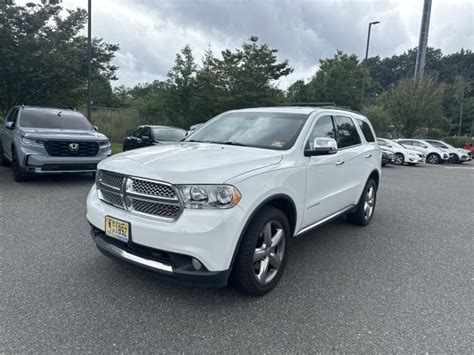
152, 188
138, 195
68, 167
71, 149
112, 180
153, 208
113, 198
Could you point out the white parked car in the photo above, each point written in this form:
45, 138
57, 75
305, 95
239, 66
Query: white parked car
433, 155
402, 154
456, 155
226, 202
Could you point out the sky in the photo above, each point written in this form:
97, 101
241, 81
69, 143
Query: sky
151, 32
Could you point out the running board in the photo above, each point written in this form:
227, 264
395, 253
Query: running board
324, 220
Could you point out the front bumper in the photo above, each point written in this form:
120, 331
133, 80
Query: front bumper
209, 235
35, 160
172, 266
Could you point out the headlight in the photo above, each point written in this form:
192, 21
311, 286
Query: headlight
29, 141
104, 143
209, 196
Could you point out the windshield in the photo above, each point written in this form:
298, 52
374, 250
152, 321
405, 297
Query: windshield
437, 144
54, 119
397, 145
168, 134
270, 130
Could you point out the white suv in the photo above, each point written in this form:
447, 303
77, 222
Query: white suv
226, 202
433, 155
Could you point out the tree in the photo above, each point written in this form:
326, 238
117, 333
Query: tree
298, 92
44, 56
209, 92
181, 80
415, 105
338, 80
380, 119
248, 76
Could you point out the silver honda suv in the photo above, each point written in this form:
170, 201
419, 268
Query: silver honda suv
37, 140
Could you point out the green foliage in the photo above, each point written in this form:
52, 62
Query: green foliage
338, 80
415, 105
380, 119
44, 55
298, 92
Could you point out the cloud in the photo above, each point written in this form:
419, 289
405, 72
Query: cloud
151, 32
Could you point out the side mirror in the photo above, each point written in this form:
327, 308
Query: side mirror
9, 125
321, 146
425, 146
146, 138
96, 128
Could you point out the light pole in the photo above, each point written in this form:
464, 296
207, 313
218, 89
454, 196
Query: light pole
89, 61
365, 61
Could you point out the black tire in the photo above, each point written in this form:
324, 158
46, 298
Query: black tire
433, 158
399, 159
3, 160
243, 276
360, 215
454, 159
17, 171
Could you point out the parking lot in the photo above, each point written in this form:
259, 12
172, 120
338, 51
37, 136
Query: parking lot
404, 283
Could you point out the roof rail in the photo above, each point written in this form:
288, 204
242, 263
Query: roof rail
68, 108
329, 105
308, 104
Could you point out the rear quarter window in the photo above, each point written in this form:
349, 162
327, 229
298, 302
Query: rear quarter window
366, 130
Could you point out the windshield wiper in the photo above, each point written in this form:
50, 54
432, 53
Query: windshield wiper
217, 142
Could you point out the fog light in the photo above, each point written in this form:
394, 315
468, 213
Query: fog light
196, 264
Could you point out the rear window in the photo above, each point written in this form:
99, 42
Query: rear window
365, 128
54, 119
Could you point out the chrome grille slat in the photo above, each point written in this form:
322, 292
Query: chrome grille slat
137, 195
146, 187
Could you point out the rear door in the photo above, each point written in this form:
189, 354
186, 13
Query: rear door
353, 158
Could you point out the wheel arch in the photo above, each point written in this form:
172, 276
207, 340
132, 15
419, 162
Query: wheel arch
281, 201
376, 176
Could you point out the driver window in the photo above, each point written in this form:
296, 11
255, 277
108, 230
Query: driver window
324, 127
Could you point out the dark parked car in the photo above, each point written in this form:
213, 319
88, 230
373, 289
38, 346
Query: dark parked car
145, 136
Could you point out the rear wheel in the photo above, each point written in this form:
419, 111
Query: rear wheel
399, 159
433, 158
263, 253
366, 205
17, 170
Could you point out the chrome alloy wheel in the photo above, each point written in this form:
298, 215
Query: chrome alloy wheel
398, 160
268, 255
369, 202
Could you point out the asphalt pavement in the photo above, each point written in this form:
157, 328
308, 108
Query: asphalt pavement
402, 284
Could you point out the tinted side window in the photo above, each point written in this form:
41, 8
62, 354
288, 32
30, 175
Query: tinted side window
147, 132
12, 117
405, 142
365, 128
324, 127
347, 134
138, 132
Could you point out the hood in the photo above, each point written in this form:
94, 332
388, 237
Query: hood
191, 163
66, 134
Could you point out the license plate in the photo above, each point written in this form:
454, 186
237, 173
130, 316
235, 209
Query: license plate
117, 229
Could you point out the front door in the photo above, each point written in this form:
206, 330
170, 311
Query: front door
324, 176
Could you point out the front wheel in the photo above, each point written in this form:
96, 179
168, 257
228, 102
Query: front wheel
399, 159
454, 159
3, 160
17, 170
263, 253
433, 158
366, 205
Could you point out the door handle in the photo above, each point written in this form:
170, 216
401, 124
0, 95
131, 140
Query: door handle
340, 162
368, 155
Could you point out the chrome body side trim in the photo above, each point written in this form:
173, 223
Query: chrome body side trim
324, 220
